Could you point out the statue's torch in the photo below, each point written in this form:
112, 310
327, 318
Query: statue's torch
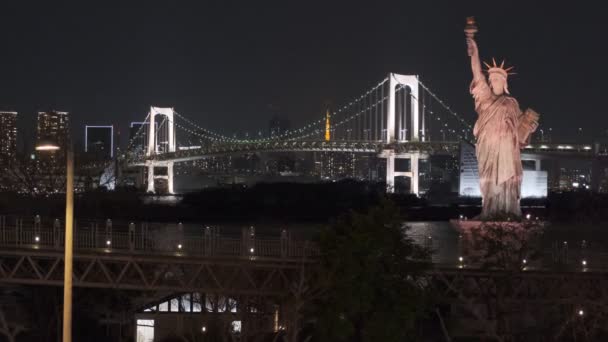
470, 28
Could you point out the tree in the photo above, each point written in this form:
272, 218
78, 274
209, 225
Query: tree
372, 289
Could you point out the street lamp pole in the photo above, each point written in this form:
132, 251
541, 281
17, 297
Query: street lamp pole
69, 241
50, 145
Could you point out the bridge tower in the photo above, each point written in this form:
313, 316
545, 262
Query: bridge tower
392, 137
153, 148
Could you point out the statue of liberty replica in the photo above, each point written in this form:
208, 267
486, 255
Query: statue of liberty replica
501, 131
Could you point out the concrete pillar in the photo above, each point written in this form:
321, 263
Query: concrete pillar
390, 118
390, 172
170, 178
414, 180
151, 178
422, 119
171, 134
415, 109
151, 133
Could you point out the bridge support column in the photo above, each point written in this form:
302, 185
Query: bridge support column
170, 178
151, 178
412, 174
414, 178
390, 172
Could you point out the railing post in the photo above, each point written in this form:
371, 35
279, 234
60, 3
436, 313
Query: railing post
37, 228
460, 250
251, 241
56, 232
3, 224
76, 234
248, 241
215, 236
180, 234
18, 228
583, 255
144, 234
284, 243
94, 234
207, 242
244, 239
131, 236
108, 233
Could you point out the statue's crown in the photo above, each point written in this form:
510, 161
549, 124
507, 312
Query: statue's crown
499, 69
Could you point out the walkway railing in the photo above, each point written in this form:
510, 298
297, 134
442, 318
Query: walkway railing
45, 234
573, 255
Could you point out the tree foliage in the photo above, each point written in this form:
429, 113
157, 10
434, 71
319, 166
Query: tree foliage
372, 290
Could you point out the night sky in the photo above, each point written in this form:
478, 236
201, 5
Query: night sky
223, 63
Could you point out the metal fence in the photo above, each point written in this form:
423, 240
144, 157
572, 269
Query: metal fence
573, 255
40, 233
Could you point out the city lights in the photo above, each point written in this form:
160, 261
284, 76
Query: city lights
303, 131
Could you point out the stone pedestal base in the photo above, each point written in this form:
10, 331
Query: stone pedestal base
465, 226
469, 226
495, 244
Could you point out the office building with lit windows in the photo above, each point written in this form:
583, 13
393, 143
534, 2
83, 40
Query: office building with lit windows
8, 138
53, 125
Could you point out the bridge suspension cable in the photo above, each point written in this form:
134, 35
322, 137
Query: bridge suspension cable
427, 109
209, 133
456, 115
138, 133
304, 131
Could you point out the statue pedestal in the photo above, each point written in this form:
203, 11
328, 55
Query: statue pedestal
499, 244
465, 226
469, 226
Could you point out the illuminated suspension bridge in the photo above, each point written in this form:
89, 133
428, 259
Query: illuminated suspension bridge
394, 119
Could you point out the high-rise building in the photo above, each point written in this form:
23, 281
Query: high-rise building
99, 141
8, 138
337, 165
54, 126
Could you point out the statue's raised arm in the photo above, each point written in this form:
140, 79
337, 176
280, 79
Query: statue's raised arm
469, 31
473, 52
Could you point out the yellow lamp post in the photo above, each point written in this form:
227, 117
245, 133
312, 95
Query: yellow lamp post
48, 145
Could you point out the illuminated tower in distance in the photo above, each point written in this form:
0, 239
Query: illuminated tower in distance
327, 126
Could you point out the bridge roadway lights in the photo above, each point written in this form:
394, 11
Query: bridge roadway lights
413, 174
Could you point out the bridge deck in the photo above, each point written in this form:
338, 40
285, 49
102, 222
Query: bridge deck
303, 146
